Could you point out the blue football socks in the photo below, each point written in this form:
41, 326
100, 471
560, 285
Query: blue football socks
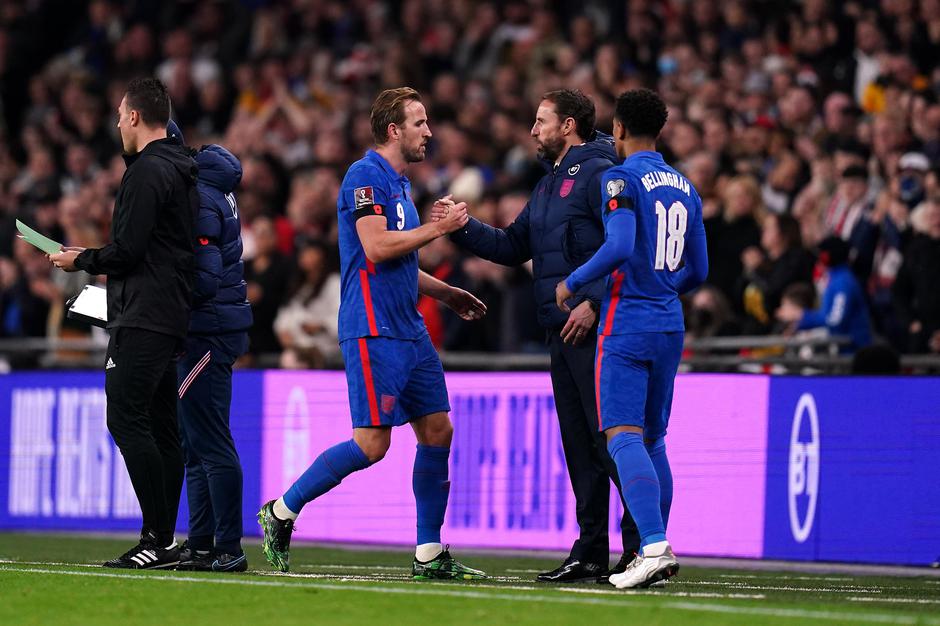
431, 488
640, 485
657, 452
331, 467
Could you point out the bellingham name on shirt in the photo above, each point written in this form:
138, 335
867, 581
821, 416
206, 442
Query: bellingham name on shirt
652, 180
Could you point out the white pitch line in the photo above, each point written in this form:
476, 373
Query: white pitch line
749, 587
775, 577
684, 605
896, 600
365, 577
390, 568
12, 562
669, 594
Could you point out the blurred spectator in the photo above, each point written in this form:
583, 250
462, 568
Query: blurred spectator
307, 325
844, 310
267, 275
916, 293
733, 231
710, 315
781, 261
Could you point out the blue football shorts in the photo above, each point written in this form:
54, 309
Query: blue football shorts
393, 381
634, 376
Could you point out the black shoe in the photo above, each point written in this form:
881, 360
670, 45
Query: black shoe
194, 560
230, 563
619, 568
572, 571
147, 555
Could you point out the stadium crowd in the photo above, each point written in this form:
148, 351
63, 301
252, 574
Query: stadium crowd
795, 121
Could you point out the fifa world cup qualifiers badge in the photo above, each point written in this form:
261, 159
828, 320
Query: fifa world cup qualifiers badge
364, 197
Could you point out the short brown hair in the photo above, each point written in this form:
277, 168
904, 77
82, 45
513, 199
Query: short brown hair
148, 96
574, 104
389, 108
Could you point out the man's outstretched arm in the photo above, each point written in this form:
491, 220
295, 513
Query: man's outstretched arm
381, 244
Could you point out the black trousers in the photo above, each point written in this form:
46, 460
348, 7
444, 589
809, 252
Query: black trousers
213, 469
140, 383
589, 464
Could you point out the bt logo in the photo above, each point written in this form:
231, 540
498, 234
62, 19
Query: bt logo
803, 483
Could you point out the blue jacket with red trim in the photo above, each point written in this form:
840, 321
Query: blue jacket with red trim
220, 303
560, 228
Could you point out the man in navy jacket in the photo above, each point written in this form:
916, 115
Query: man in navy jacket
559, 229
218, 335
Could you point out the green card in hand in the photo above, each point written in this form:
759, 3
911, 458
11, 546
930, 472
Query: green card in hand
32, 237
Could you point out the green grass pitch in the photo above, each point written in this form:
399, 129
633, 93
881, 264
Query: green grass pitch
53, 580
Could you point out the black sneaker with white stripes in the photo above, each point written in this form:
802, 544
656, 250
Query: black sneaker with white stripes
147, 555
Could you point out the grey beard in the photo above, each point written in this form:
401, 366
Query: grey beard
549, 153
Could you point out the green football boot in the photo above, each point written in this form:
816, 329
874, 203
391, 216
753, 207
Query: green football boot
275, 542
444, 567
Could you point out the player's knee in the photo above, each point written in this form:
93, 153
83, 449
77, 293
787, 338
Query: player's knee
612, 432
656, 445
439, 434
374, 448
444, 434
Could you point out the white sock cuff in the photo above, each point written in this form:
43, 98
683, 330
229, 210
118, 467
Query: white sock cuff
656, 549
428, 551
282, 512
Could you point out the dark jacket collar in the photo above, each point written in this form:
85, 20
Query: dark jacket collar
154, 145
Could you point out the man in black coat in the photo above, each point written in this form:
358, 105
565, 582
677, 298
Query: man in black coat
559, 229
149, 265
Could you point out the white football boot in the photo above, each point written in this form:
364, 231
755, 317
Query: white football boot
657, 563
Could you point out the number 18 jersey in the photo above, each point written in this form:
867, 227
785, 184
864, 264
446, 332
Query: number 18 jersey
642, 293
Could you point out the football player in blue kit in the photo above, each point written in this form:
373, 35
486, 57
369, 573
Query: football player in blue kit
654, 251
393, 372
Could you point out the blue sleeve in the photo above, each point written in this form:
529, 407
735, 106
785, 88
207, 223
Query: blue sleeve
833, 310
506, 246
617, 248
595, 290
618, 209
695, 271
208, 255
812, 319
365, 191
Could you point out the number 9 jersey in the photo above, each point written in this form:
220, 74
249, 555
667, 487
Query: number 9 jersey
377, 300
643, 293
